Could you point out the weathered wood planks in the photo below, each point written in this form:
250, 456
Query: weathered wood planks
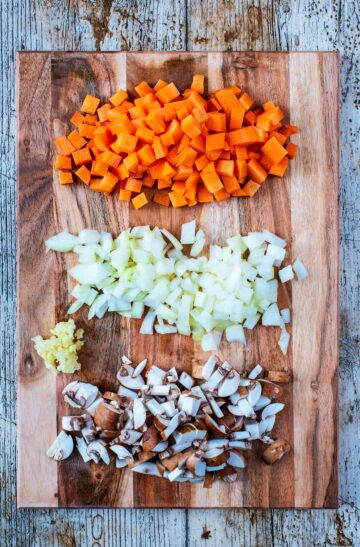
275, 207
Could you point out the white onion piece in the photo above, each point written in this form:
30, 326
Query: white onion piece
300, 270
62, 242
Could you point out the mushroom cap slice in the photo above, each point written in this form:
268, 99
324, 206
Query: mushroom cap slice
230, 384
276, 451
236, 459
62, 447
97, 451
126, 378
147, 468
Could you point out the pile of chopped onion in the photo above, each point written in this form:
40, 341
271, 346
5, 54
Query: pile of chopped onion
208, 297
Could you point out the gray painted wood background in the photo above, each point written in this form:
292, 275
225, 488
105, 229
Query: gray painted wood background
179, 25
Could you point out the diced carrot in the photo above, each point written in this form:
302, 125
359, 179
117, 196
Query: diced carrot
161, 199
155, 122
177, 200
125, 143
250, 118
103, 112
279, 168
265, 162
216, 122
76, 139
221, 195
87, 130
139, 201
191, 127
264, 121
145, 134
84, 174
198, 83
231, 184
90, 104
244, 136
241, 169
162, 184
63, 162
108, 182
111, 158
64, 146
214, 155
204, 196
279, 137
274, 150
179, 187
131, 162
146, 155
251, 187
137, 112
241, 152
167, 93
292, 150
191, 193
99, 168
239, 193
288, 130
227, 99
66, 177
160, 150
82, 156
143, 89
211, 181
246, 101
148, 181
198, 144
268, 106
215, 142
201, 162
237, 117
187, 157
91, 119
256, 171
77, 119
183, 172
134, 185
119, 97
214, 104
225, 167
125, 195
159, 85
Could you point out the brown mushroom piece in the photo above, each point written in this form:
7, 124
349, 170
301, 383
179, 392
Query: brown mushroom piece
150, 439
106, 416
279, 376
276, 451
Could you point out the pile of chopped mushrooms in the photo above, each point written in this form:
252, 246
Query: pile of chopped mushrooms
182, 428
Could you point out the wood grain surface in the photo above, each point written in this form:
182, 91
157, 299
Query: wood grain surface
302, 208
299, 25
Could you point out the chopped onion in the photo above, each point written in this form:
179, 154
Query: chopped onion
286, 274
62, 242
188, 233
300, 270
201, 296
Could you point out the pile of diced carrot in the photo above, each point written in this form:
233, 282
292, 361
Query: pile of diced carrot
190, 149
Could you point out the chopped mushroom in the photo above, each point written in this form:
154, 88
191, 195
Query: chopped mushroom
184, 428
62, 447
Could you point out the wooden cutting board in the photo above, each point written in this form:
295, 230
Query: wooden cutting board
303, 208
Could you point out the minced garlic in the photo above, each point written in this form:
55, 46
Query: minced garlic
60, 350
